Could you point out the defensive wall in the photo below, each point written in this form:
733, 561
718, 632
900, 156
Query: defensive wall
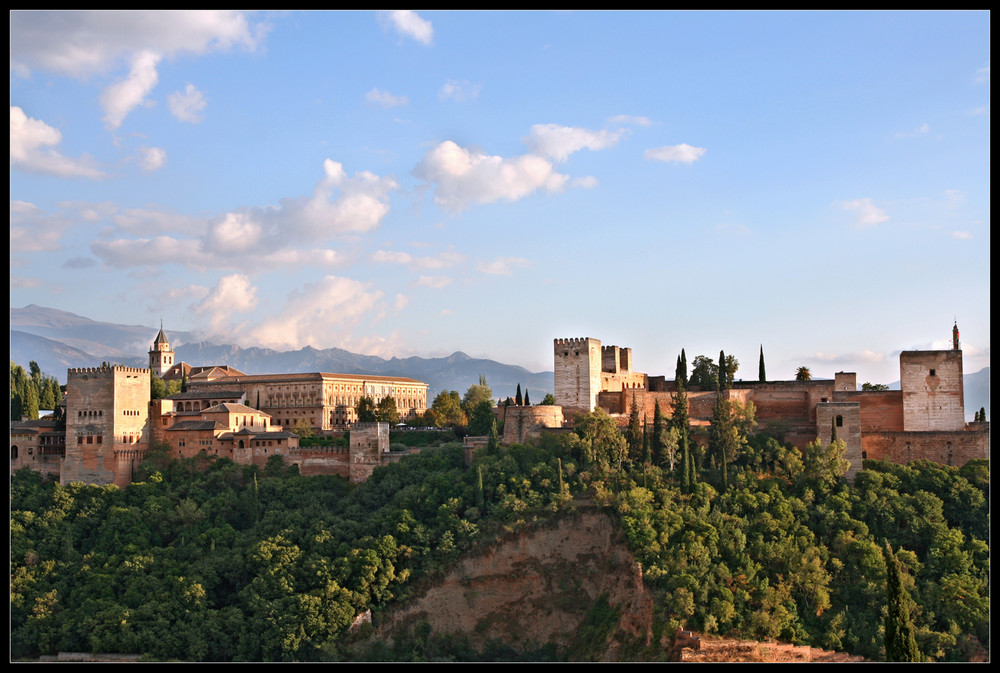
925, 419
944, 447
520, 423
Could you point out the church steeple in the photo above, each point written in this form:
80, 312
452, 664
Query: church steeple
161, 356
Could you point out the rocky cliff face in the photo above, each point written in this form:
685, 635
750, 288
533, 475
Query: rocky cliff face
572, 583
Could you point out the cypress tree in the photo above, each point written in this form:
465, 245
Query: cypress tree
760, 375
493, 443
680, 420
646, 451
518, 400
526, 402
634, 433
900, 643
723, 372
480, 498
656, 443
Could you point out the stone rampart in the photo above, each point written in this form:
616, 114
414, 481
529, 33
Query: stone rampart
524, 422
946, 448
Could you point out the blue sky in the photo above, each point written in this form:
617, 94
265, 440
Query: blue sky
419, 183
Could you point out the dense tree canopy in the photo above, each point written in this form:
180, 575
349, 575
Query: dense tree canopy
207, 560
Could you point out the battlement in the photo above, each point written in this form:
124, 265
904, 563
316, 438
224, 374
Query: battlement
106, 369
579, 341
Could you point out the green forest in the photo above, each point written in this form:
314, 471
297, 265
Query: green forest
737, 534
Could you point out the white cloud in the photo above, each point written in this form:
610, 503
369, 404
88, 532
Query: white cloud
962, 235
409, 23
983, 75
677, 154
463, 177
385, 99
502, 266
436, 282
125, 253
322, 314
232, 294
187, 105
234, 233
439, 261
32, 230
122, 97
631, 119
558, 142
868, 213
152, 158
296, 232
81, 44
32, 144
459, 90
84, 43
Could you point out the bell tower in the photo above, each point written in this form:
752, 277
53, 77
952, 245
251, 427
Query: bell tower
161, 356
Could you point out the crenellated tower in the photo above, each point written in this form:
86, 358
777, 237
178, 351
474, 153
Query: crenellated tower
577, 374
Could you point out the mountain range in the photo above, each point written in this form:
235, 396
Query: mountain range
58, 340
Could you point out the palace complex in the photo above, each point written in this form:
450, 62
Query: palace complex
110, 420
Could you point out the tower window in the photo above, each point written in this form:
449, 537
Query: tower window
840, 421
933, 372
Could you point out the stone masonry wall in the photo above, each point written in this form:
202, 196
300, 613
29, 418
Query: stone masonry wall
933, 398
946, 448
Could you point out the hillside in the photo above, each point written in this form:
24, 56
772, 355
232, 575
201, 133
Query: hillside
540, 588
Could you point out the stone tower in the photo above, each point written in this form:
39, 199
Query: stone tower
107, 424
932, 381
161, 356
577, 374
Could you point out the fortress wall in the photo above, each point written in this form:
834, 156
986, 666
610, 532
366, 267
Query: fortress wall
524, 422
946, 448
318, 461
848, 430
785, 405
881, 410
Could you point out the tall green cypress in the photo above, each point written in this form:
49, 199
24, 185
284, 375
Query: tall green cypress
656, 442
680, 420
634, 434
900, 642
493, 443
760, 374
518, 400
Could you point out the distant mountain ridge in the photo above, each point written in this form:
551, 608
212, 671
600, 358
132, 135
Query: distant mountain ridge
58, 340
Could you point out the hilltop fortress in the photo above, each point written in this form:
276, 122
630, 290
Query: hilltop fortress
111, 421
925, 419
